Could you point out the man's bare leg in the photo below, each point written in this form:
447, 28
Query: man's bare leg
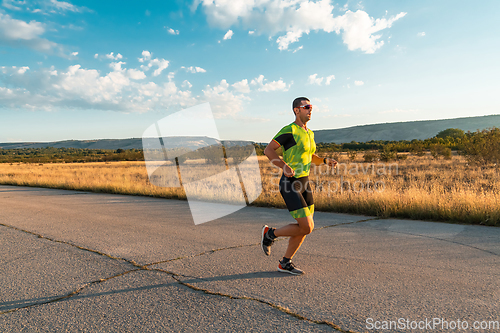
297, 233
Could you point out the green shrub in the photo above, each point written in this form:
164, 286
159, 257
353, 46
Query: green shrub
453, 133
482, 147
446, 153
387, 154
352, 154
417, 148
370, 157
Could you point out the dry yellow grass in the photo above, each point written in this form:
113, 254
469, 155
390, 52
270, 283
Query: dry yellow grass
418, 188
109, 177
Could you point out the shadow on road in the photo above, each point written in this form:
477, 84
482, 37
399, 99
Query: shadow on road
18, 304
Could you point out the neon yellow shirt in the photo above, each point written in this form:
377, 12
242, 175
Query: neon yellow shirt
298, 147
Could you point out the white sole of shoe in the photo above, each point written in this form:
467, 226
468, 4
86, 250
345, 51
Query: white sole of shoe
285, 271
262, 239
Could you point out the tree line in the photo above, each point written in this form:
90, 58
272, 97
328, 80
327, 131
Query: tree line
481, 147
68, 155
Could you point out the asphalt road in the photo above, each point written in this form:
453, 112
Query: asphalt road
85, 262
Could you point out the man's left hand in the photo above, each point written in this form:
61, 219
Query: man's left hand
331, 162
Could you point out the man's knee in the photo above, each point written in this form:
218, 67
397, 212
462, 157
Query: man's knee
308, 228
306, 225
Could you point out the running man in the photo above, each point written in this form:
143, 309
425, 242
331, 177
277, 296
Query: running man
298, 146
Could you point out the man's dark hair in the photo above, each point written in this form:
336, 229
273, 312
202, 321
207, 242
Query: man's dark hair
298, 101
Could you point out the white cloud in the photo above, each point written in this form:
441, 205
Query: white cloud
294, 18
314, 80
22, 70
162, 64
80, 88
74, 54
146, 55
62, 5
17, 33
96, 55
12, 29
44, 6
359, 29
290, 37
227, 99
49, 6
12, 4
224, 102
172, 31
329, 79
251, 32
89, 83
298, 49
116, 66
228, 34
359, 83
421, 34
187, 84
194, 69
242, 86
135, 74
269, 86
113, 57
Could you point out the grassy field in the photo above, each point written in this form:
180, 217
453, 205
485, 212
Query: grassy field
417, 188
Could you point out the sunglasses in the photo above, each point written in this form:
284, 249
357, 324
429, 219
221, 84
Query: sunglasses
306, 107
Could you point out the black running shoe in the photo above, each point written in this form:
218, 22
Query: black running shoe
266, 241
289, 267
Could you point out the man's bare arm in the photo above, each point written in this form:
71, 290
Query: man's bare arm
318, 160
271, 154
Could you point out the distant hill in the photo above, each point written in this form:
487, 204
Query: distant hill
90, 144
133, 143
190, 142
404, 130
388, 131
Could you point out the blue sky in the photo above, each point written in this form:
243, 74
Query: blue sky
102, 69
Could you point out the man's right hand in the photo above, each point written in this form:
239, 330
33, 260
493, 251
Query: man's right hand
287, 171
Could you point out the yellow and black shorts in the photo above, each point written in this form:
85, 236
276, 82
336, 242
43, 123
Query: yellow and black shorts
298, 195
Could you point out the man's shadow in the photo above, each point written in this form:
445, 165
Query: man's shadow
19, 304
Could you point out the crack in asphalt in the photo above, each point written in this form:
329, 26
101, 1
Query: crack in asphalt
275, 306
175, 276
71, 244
253, 244
201, 254
71, 294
